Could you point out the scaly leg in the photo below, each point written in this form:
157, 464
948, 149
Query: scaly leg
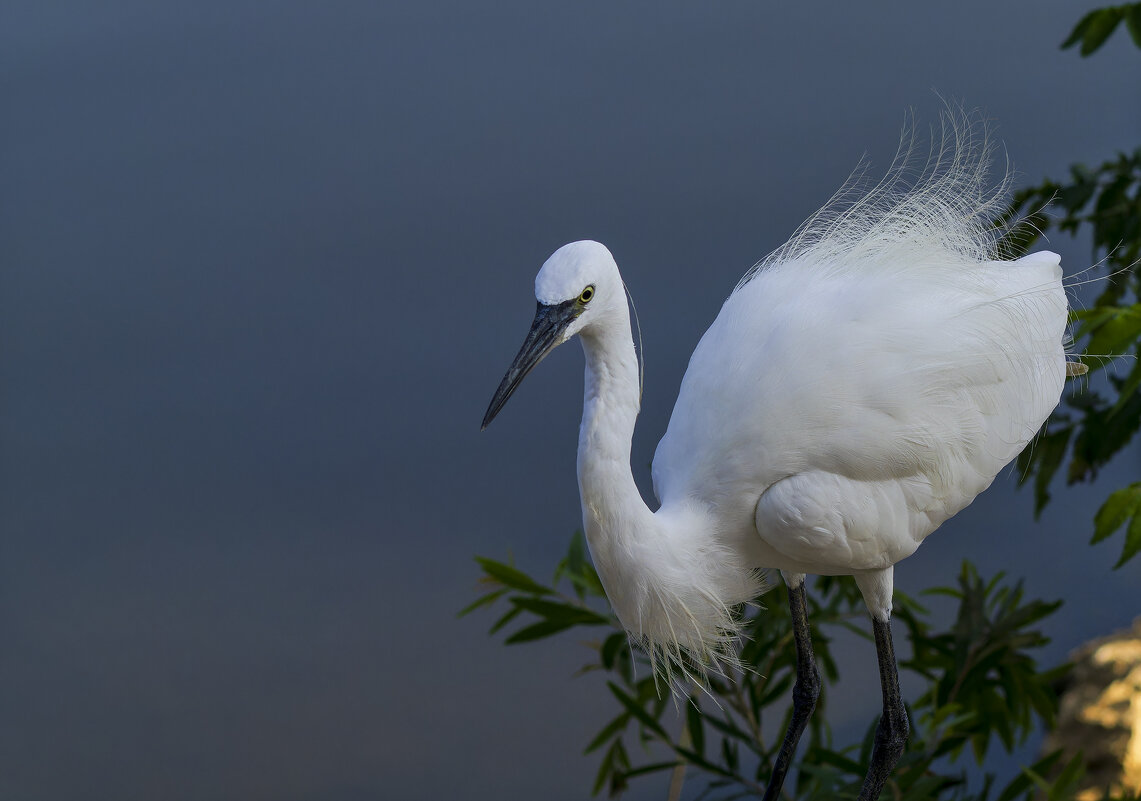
891, 733
806, 689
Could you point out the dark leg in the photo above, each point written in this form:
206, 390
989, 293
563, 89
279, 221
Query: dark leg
891, 734
804, 692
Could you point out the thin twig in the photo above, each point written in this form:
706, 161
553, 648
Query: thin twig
677, 776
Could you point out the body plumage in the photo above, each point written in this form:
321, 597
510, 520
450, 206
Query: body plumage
859, 386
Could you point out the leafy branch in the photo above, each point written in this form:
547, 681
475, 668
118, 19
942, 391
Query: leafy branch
984, 686
1092, 426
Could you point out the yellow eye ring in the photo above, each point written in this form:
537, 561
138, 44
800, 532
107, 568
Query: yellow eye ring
587, 294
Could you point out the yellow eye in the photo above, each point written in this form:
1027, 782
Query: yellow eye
586, 295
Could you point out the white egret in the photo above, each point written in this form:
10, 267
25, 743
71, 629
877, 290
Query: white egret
859, 386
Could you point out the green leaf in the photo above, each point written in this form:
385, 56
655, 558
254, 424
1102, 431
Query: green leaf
776, 689
491, 597
653, 768
826, 757
1118, 507
1132, 542
1133, 22
562, 612
1079, 30
697, 759
510, 615
614, 762
1047, 453
1076, 195
636, 709
1067, 781
611, 648
587, 582
727, 727
1104, 22
512, 577
611, 729
578, 570
729, 754
1111, 330
576, 553
537, 631
1101, 434
695, 726
1128, 389
1023, 782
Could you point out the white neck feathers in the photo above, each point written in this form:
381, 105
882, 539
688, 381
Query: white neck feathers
669, 579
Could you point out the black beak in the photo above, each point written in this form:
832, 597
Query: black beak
545, 334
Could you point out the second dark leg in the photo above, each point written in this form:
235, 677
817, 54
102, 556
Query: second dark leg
804, 692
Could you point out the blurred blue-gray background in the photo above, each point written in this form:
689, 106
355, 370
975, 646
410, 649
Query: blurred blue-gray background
263, 265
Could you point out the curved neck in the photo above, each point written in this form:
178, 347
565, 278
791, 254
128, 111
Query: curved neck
668, 578
617, 522
611, 401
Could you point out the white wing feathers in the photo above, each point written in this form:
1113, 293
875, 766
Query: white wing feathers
880, 366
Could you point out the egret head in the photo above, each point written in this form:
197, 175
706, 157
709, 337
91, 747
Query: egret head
575, 288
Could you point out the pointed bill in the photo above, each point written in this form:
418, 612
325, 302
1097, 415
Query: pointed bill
545, 334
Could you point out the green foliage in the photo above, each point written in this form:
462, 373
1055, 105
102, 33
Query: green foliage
1123, 506
1091, 427
1098, 25
984, 688
981, 667
1103, 199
